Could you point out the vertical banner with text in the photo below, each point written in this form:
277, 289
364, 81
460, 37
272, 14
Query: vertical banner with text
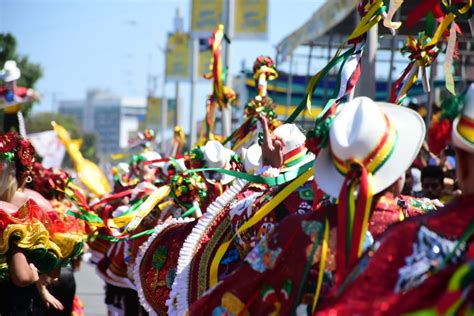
205, 16
153, 113
251, 19
178, 57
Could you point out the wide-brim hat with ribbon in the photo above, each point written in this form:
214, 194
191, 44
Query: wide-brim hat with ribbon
463, 125
151, 156
10, 71
217, 156
178, 165
295, 153
252, 158
384, 137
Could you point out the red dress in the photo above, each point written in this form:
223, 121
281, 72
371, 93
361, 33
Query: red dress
411, 265
279, 275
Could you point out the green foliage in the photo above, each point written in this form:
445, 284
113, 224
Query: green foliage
41, 122
30, 72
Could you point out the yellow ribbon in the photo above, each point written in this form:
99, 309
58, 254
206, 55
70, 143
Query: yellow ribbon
264, 211
465, 130
367, 22
239, 144
269, 72
315, 79
132, 220
368, 204
322, 264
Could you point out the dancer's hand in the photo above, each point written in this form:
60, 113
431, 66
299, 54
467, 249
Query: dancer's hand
47, 297
272, 147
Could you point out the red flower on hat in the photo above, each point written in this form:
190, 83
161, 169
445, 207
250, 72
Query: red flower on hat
26, 153
8, 142
439, 134
312, 144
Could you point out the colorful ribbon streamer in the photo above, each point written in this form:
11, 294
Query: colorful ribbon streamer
258, 216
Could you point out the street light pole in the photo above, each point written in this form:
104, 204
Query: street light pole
194, 78
229, 29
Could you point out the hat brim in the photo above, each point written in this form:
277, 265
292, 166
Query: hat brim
308, 157
12, 75
458, 140
411, 131
225, 179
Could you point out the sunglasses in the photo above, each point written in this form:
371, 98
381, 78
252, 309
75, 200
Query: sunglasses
213, 175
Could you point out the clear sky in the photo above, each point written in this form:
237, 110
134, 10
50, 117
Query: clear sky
114, 44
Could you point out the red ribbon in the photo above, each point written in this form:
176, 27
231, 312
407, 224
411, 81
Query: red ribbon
422, 10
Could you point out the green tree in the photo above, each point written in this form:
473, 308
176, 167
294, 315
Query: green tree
41, 122
30, 72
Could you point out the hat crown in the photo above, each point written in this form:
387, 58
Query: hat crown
215, 154
291, 135
468, 109
9, 65
463, 125
10, 71
357, 129
252, 158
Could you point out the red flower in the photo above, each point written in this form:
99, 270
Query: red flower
312, 144
439, 134
26, 153
8, 142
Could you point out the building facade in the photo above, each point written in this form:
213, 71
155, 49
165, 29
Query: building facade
111, 118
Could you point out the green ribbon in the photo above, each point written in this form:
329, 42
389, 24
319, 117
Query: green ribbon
192, 210
115, 239
271, 181
324, 72
84, 215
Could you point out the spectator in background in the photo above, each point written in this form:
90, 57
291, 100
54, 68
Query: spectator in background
413, 183
432, 182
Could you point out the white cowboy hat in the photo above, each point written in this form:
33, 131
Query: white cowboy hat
217, 156
179, 166
252, 158
357, 131
462, 125
10, 71
153, 155
123, 169
293, 139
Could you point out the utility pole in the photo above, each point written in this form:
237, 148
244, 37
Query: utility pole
229, 8
194, 78
178, 28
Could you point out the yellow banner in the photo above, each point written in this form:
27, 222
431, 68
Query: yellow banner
205, 55
205, 16
178, 56
251, 18
153, 113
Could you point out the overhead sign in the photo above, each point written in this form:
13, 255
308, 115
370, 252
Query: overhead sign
178, 56
205, 16
153, 113
205, 55
251, 19
328, 16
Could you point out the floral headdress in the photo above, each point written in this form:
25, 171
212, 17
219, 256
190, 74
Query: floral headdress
439, 132
187, 188
49, 182
20, 151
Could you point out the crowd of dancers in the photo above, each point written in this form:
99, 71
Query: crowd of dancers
359, 216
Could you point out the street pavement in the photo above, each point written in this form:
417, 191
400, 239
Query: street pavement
90, 289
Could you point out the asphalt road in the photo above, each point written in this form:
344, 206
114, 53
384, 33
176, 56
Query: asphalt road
90, 289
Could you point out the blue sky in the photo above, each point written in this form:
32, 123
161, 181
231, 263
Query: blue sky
114, 44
